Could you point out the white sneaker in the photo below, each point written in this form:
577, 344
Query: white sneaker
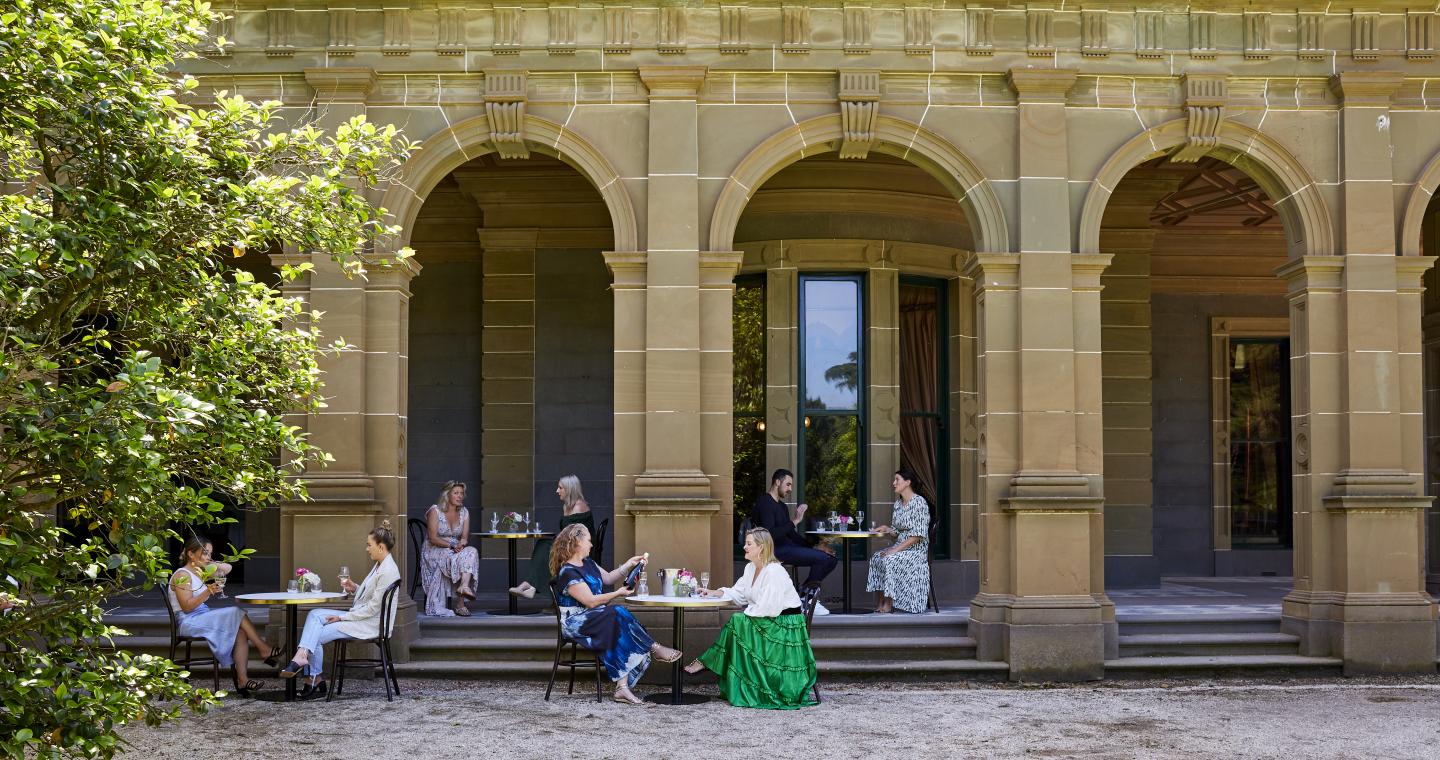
820, 608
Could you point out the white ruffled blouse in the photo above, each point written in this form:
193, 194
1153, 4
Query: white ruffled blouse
766, 596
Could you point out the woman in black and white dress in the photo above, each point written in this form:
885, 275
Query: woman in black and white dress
900, 574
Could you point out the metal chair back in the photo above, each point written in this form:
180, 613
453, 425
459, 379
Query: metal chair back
597, 552
386, 661
176, 640
574, 661
416, 528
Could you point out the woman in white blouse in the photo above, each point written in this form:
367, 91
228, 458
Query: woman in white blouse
763, 656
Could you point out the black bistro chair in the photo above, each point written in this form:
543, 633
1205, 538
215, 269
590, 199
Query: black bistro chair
930, 564
808, 599
190, 660
597, 552
575, 660
386, 662
416, 528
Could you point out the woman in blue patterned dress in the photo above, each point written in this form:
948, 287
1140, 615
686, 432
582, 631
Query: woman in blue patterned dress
588, 617
901, 574
228, 631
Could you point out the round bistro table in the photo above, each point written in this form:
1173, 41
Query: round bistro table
845, 537
677, 694
292, 603
511, 546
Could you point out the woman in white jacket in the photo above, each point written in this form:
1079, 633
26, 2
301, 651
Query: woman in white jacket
362, 621
763, 655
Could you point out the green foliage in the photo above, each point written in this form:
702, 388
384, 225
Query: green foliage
139, 372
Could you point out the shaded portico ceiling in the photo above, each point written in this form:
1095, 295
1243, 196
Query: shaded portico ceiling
879, 197
1213, 193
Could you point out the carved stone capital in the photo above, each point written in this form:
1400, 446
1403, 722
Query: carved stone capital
1205, 96
1041, 85
859, 107
341, 85
1366, 88
505, 97
673, 82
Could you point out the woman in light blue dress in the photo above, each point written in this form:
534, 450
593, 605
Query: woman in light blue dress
228, 631
587, 617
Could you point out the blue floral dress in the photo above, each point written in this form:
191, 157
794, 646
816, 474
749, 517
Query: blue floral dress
608, 629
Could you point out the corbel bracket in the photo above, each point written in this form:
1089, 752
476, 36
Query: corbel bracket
859, 107
505, 107
1205, 96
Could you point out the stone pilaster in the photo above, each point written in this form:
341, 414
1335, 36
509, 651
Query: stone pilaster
1042, 605
1359, 465
507, 395
674, 502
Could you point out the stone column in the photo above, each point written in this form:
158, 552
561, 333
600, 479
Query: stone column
1359, 431
1042, 605
507, 395
362, 425
672, 505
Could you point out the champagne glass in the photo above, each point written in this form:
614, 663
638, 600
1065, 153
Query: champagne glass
643, 588
494, 522
527, 522
344, 576
705, 580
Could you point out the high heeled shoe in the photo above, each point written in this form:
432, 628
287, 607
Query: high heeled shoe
249, 689
273, 661
313, 691
291, 669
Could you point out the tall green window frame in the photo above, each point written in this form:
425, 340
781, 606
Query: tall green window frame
917, 411
832, 386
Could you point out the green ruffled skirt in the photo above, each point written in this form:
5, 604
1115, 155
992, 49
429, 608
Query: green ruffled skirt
764, 662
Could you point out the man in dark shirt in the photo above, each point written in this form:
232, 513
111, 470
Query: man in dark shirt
790, 545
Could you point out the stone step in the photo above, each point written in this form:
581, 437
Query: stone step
1148, 667
1240, 622
870, 626
936, 648
1207, 644
480, 648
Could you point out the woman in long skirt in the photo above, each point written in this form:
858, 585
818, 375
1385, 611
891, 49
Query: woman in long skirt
226, 629
586, 615
901, 574
763, 656
448, 564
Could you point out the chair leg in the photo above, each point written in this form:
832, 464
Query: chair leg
390, 658
554, 668
816, 688
599, 695
574, 655
385, 668
337, 671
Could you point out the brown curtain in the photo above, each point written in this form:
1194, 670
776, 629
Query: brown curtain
919, 367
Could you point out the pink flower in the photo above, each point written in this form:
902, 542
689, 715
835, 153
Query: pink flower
299, 571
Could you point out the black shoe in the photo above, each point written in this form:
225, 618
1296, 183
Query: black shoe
273, 661
292, 669
315, 691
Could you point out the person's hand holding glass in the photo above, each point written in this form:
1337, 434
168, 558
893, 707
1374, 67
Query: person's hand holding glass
345, 583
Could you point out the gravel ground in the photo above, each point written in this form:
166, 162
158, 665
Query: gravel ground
1350, 718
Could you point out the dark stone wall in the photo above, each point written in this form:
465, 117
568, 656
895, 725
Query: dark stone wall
1183, 500
444, 429
574, 380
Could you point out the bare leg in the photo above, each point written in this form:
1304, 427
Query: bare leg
247, 629
302, 656
465, 585
241, 653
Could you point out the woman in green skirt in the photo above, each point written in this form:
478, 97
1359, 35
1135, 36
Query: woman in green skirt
576, 511
763, 655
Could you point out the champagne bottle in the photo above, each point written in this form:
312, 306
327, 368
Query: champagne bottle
637, 571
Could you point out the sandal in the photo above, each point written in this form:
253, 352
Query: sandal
696, 664
465, 592
627, 699
672, 658
273, 661
462, 610
249, 689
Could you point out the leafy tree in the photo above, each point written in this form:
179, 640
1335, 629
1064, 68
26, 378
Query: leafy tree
139, 371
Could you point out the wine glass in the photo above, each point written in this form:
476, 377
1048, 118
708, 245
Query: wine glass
705, 580
494, 522
344, 576
527, 522
220, 586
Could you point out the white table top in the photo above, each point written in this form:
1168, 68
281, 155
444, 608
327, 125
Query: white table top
285, 597
660, 600
513, 534
846, 533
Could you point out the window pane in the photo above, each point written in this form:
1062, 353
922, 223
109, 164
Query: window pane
832, 465
1259, 443
832, 344
749, 321
1257, 390
749, 466
1255, 493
